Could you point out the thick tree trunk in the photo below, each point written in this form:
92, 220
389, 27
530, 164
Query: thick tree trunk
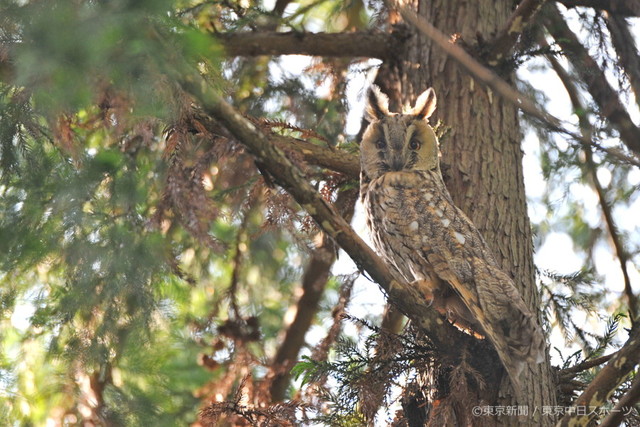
482, 164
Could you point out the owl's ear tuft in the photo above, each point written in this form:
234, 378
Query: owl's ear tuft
425, 105
377, 104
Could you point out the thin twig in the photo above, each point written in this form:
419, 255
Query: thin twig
587, 364
237, 264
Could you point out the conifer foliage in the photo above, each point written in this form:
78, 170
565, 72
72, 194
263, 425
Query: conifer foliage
175, 190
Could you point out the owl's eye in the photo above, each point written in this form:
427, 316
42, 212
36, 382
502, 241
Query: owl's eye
380, 144
414, 144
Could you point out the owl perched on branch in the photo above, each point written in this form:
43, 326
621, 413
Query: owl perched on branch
418, 230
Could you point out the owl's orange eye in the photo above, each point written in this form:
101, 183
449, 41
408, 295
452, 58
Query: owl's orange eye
414, 144
380, 144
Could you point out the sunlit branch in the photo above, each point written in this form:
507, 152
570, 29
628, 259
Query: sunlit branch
508, 36
597, 394
587, 132
601, 91
334, 159
626, 402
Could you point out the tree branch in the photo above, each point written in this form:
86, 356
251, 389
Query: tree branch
482, 73
608, 379
367, 44
616, 7
508, 36
406, 297
626, 49
571, 372
335, 159
630, 398
602, 93
7, 69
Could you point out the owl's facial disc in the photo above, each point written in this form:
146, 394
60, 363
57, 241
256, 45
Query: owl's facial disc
398, 143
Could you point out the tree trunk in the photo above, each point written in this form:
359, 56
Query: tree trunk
482, 165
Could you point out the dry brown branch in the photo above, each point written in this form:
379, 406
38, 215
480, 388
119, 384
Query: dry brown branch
601, 91
621, 252
630, 398
626, 49
597, 393
618, 7
508, 36
280, 6
357, 44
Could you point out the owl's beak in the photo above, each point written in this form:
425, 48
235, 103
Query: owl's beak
397, 163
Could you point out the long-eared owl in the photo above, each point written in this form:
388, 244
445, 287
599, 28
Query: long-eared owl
419, 232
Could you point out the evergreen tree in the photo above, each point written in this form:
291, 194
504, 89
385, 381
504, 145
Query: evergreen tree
174, 192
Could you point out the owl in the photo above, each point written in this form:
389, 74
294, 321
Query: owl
419, 232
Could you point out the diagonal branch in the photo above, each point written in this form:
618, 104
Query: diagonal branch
367, 44
482, 73
406, 297
596, 395
334, 159
601, 91
626, 49
508, 36
569, 373
630, 398
617, 7
502, 88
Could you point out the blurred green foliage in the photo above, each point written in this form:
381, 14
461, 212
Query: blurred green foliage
110, 282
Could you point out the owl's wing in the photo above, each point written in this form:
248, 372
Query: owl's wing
445, 242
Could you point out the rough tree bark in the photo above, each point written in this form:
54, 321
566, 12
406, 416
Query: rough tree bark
482, 159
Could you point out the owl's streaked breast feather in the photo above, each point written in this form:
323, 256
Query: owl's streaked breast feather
418, 230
